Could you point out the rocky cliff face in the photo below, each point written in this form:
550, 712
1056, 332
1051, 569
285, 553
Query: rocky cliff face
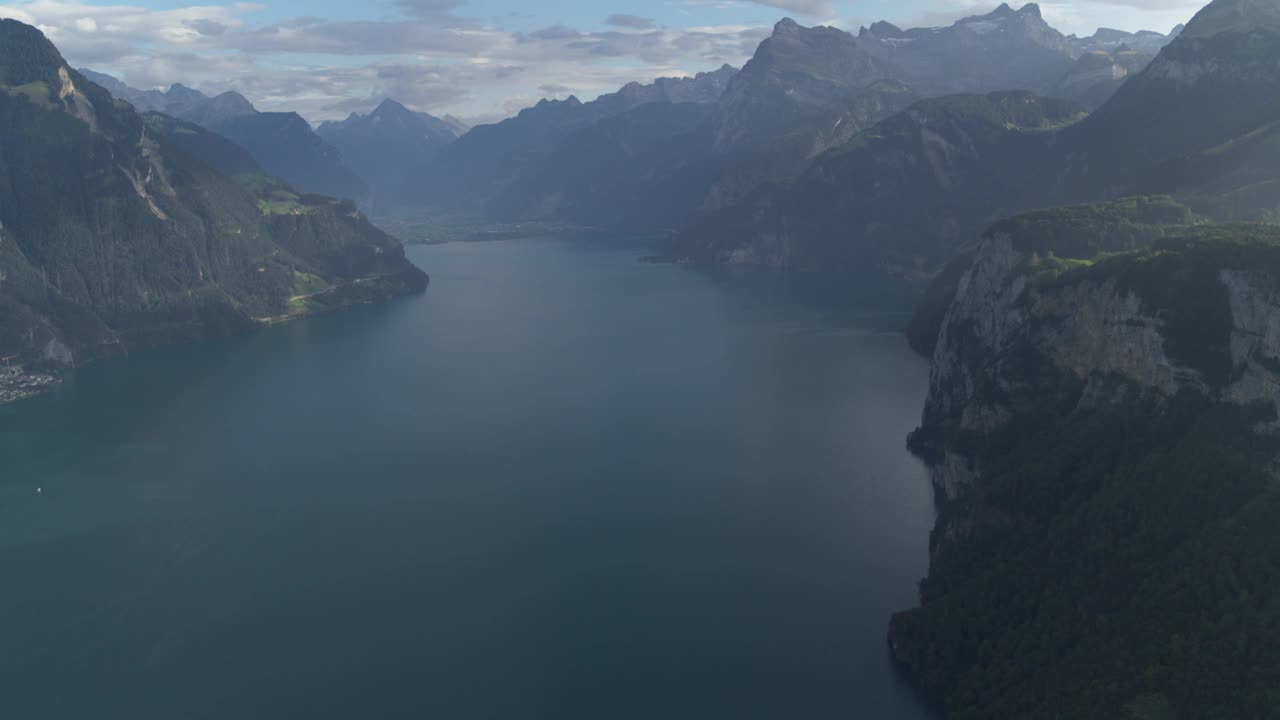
1026, 326
1102, 431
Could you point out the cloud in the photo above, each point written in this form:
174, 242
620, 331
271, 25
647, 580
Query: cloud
803, 7
428, 58
207, 27
634, 22
942, 14
429, 8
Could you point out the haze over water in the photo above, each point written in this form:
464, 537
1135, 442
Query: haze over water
562, 484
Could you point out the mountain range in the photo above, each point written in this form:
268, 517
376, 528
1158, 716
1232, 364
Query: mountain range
385, 146
283, 143
941, 177
114, 237
675, 153
805, 92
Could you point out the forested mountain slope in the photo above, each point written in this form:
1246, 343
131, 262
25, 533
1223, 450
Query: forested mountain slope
112, 236
283, 143
1102, 426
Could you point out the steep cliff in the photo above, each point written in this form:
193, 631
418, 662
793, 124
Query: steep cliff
1102, 429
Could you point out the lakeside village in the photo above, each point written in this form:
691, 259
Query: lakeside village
17, 384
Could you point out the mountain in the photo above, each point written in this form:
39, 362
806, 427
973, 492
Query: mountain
386, 145
1098, 75
179, 100
1234, 17
639, 169
283, 143
1197, 122
459, 127
1006, 49
467, 175
287, 146
203, 145
208, 112
796, 77
114, 237
1108, 40
804, 92
148, 100
1233, 181
1196, 125
1102, 428
903, 196
1214, 83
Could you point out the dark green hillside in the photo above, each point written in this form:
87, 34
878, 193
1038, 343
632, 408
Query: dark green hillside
388, 145
605, 173
207, 147
1114, 557
1235, 180
1127, 569
287, 146
1215, 83
111, 235
904, 195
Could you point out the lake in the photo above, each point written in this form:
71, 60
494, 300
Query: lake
562, 484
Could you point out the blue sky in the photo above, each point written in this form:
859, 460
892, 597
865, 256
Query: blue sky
477, 59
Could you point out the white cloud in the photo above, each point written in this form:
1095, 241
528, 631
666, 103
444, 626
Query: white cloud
424, 53
803, 7
426, 59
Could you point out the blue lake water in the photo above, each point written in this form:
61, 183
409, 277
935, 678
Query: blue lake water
562, 484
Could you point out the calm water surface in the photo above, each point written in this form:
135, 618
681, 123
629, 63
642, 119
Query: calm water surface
563, 484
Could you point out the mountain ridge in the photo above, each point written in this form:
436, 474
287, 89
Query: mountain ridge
284, 143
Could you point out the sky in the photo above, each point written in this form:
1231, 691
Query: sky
475, 59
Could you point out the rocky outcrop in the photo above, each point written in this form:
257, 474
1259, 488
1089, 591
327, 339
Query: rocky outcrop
1255, 337
1095, 418
1091, 331
1027, 328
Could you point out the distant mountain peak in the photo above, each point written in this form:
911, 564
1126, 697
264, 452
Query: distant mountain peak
1030, 11
1110, 34
388, 105
179, 89
233, 99
786, 25
391, 110
884, 30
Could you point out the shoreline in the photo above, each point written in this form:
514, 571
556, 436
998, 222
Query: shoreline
17, 384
